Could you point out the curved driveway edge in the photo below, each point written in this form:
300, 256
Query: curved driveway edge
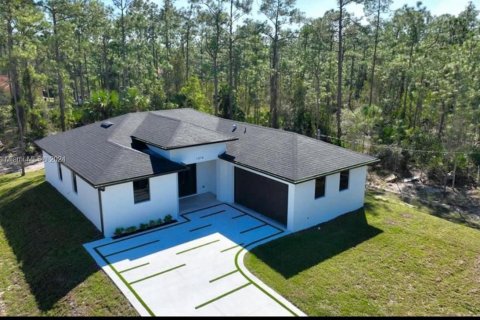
239, 261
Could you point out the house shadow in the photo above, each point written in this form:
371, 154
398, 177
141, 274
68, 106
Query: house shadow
300, 251
46, 234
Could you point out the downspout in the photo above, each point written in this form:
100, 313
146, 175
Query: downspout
101, 208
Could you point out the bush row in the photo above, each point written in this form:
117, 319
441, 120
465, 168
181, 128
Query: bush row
143, 226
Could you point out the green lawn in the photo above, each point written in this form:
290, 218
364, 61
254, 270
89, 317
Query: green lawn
44, 269
389, 259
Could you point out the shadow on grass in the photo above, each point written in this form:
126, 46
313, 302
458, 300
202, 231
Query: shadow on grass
300, 251
46, 234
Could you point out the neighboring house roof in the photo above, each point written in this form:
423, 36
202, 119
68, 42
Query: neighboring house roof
105, 155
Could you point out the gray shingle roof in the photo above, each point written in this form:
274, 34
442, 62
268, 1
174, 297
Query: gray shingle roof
168, 133
104, 156
287, 155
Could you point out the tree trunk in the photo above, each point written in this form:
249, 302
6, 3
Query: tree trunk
15, 92
230, 64
58, 61
274, 86
215, 62
29, 95
87, 80
187, 53
350, 87
442, 122
80, 70
105, 64
374, 59
340, 71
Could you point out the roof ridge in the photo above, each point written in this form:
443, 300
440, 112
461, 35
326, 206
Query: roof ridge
243, 122
190, 123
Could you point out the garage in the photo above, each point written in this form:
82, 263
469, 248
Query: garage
264, 195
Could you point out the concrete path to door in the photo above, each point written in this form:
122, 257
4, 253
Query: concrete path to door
194, 267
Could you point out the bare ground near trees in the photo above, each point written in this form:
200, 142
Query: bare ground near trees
460, 205
9, 162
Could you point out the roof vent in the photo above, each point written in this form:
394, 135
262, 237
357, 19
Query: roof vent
106, 124
234, 127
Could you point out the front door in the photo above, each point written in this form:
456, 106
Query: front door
187, 181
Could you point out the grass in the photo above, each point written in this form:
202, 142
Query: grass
389, 259
44, 270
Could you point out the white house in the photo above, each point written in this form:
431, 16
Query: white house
135, 168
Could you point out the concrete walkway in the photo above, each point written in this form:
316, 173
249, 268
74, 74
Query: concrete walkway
195, 267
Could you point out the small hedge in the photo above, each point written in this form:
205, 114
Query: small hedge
121, 232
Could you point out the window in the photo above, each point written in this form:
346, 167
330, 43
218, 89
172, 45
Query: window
344, 175
319, 187
74, 182
141, 190
60, 176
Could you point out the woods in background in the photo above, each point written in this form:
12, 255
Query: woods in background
402, 85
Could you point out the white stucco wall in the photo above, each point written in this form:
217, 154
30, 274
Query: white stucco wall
224, 177
119, 209
191, 155
309, 211
86, 199
206, 177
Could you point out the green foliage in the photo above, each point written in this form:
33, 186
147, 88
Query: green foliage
37, 122
135, 101
102, 105
410, 79
193, 96
168, 218
119, 231
131, 229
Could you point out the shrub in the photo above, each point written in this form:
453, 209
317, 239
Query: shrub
152, 223
131, 229
119, 231
159, 221
168, 218
143, 226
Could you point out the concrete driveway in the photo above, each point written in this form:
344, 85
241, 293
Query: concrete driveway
194, 267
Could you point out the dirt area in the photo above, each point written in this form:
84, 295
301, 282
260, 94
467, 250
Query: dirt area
461, 205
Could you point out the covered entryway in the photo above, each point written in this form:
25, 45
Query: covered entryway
261, 194
187, 181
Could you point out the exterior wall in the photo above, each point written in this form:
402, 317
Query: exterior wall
119, 209
86, 199
194, 154
206, 173
309, 211
224, 177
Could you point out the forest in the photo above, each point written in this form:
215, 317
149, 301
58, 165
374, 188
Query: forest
402, 85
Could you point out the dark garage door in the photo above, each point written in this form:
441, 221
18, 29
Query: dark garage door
266, 196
